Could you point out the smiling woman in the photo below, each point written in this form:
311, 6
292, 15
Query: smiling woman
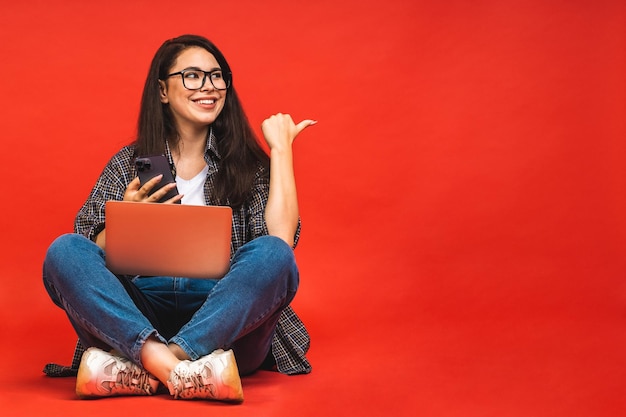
194, 104
193, 336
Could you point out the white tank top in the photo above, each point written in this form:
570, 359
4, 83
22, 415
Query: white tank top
193, 189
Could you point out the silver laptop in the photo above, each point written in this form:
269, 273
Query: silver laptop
178, 240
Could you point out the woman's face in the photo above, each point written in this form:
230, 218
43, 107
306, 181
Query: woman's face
193, 109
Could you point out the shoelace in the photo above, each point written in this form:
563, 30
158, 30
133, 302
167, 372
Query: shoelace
133, 378
185, 380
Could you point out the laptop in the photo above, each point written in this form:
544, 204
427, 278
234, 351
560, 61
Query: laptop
177, 240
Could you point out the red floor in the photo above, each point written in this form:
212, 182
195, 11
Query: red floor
377, 353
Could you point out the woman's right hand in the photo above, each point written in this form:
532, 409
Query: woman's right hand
138, 193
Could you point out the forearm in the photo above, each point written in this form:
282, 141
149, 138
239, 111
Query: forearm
281, 211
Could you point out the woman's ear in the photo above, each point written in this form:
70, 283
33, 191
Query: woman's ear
163, 92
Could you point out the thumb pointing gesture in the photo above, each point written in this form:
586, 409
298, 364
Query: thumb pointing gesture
280, 130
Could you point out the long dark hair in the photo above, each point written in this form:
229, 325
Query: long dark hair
241, 153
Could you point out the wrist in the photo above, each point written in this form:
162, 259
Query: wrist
280, 151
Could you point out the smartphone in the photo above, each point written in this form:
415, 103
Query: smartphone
149, 167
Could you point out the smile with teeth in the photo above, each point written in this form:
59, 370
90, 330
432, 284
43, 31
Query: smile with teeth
205, 101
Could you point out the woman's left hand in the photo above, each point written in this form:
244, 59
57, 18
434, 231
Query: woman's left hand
280, 130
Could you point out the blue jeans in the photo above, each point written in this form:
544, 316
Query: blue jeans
239, 311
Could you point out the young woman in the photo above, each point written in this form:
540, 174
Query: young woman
193, 336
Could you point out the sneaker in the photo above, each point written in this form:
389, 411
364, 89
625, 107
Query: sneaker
103, 374
214, 376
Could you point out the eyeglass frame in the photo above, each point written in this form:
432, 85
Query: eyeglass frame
228, 77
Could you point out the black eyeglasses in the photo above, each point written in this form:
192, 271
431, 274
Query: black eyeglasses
194, 79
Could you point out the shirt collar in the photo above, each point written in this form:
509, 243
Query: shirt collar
211, 145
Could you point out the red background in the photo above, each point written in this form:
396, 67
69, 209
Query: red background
462, 196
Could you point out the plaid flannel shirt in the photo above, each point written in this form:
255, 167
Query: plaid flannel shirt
291, 340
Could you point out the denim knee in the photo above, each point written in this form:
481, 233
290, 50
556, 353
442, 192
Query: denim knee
274, 257
64, 246
277, 254
65, 251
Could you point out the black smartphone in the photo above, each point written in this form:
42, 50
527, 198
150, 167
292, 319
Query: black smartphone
149, 167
